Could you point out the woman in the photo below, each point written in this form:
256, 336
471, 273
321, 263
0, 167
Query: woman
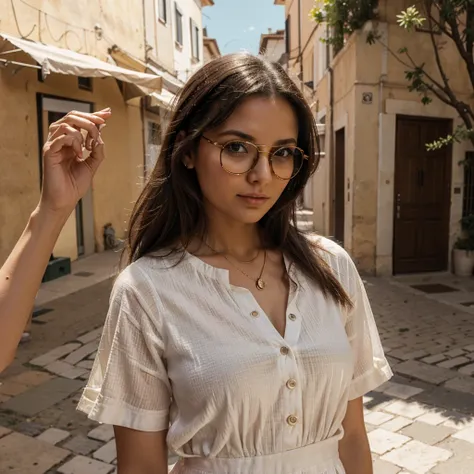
231, 338
67, 174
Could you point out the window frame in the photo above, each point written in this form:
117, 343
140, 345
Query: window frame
163, 11
194, 33
178, 25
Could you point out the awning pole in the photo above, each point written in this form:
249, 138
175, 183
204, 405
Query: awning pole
7, 62
11, 51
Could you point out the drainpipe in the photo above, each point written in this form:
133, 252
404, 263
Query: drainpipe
299, 43
380, 181
142, 99
330, 135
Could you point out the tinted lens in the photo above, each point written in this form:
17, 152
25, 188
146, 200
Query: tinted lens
238, 157
287, 161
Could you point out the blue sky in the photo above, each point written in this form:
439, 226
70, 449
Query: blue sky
237, 25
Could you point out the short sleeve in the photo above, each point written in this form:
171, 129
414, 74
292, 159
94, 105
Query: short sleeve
129, 385
371, 368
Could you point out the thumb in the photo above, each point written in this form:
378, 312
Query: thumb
97, 155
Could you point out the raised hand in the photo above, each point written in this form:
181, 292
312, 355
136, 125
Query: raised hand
67, 172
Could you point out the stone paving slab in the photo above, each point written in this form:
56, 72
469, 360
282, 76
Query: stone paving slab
107, 453
462, 461
417, 457
82, 445
25, 455
83, 465
426, 433
53, 436
42, 397
55, 354
425, 372
102, 433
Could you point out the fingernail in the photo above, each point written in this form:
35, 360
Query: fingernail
100, 141
102, 126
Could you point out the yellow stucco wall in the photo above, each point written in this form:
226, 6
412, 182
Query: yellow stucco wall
115, 185
121, 22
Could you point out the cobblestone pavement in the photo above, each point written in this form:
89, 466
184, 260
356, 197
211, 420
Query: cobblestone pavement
420, 422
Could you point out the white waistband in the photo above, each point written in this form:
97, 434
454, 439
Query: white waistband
319, 454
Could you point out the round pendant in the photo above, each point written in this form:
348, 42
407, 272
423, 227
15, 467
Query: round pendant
260, 284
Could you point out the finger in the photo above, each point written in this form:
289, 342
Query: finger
97, 155
56, 145
65, 129
96, 119
104, 112
89, 142
62, 141
83, 124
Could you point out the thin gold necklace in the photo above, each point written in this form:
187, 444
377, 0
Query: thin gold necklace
259, 282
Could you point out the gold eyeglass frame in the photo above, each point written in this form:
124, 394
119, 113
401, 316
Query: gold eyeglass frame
270, 155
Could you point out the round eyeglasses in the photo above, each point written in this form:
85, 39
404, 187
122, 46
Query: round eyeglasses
239, 157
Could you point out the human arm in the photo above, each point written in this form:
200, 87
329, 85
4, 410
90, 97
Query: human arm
66, 180
354, 449
140, 452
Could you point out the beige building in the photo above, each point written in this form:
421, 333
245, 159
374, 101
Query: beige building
211, 48
272, 45
395, 206
60, 57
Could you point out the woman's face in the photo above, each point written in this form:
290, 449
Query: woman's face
245, 198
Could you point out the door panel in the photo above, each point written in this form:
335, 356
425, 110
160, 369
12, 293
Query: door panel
340, 189
422, 197
77, 237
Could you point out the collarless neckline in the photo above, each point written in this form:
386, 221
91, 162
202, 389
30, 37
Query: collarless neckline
223, 274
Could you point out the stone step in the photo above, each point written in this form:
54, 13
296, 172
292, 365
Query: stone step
304, 215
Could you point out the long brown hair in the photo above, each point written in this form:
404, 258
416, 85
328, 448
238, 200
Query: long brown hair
169, 211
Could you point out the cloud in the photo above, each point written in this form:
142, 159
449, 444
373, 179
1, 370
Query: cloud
251, 28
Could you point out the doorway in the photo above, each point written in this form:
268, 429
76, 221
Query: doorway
422, 196
339, 185
77, 237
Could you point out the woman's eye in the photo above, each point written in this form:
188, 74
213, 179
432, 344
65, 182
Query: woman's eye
236, 147
284, 152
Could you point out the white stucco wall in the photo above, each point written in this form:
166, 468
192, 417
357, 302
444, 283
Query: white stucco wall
184, 63
275, 49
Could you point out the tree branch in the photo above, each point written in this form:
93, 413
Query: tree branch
456, 37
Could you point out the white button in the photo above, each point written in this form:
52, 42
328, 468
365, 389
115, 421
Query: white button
254, 314
292, 420
292, 317
284, 350
291, 384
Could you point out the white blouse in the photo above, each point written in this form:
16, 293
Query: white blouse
182, 349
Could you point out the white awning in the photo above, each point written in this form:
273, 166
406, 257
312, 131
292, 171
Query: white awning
163, 99
171, 83
63, 61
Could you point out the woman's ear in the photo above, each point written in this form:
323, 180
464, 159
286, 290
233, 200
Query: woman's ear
188, 161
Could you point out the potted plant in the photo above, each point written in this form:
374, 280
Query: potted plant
463, 251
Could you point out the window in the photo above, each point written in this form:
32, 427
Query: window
162, 12
154, 133
194, 39
287, 35
85, 83
179, 25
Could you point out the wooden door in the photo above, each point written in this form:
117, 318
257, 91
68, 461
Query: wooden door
339, 186
422, 197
